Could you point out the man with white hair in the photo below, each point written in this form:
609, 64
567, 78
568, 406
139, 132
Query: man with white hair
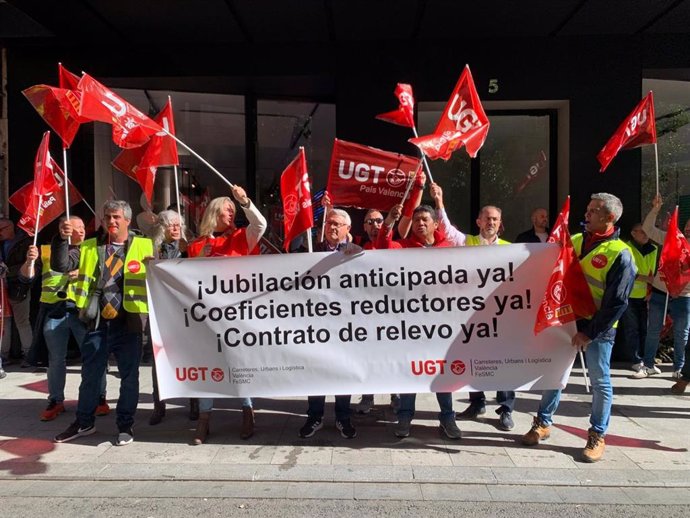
610, 271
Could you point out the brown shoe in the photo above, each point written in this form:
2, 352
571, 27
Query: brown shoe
539, 432
679, 387
203, 428
247, 422
158, 414
594, 450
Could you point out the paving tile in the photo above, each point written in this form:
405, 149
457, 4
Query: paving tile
376, 491
457, 475
593, 495
420, 457
321, 490
302, 455
457, 492
362, 457
480, 456
344, 473
505, 493
535, 476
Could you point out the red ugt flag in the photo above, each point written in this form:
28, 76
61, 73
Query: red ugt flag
463, 122
140, 163
638, 129
674, 263
296, 196
53, 204
404, 115
67, 79
366, 177
44, 179
567, 296
131, 128
58, 107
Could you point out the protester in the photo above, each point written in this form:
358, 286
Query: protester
168, 243
111, 292
634, 320
539, 232
219, 237
13, 247
489, 223
425, 233
610, 272
336, 238
58, 319
678, 308
373, 224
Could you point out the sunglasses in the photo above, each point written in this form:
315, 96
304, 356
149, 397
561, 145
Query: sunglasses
371, 221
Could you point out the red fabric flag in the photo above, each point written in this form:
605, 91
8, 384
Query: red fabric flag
567, 295
131, 128
53, 204
44, 178
67, 79
296, 197
404, 115
140, 163
674, 262
366, 177
638, 129
58, 107
463, 122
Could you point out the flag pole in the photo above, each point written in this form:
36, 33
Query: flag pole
426, 164
64, 170
199, 157
656, 164
177, 185
38, 217
309, 243
584, 370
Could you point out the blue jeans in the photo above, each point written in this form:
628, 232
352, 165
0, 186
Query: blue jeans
679, 309
317, 405
206, 403
445, 404
634, 323
111, 337
598, 357
56, 332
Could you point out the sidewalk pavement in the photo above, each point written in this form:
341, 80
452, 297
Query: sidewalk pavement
647, 459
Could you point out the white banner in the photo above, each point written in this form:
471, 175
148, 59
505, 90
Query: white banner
384, 321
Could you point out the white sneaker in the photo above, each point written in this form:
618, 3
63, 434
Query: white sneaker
676, 375
637, 367
124, 438
646, 372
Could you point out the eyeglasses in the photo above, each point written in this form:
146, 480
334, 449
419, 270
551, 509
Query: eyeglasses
371, 221
173, 226
336, 224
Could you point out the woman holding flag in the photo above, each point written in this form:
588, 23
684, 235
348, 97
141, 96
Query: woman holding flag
219, 237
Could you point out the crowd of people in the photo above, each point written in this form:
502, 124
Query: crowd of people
94, 290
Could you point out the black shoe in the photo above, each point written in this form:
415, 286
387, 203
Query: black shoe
346, 429
158, 414
313, 425
505, 420
473, 411
73, 431
125, 437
